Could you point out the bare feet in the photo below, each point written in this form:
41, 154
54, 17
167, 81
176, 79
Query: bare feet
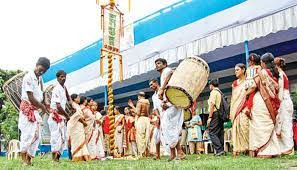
29, 159
24, 158
172, 154
181, 155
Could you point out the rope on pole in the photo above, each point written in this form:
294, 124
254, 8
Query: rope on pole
111, 106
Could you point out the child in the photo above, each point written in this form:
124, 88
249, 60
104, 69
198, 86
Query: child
251, 71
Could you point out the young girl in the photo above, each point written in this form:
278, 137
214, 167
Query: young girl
99, 150
119, 131
105, 128
251, 72
194, 134
130, 132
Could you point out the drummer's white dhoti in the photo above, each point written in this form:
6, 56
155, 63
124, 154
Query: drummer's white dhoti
58, 135
171, 124
30, 133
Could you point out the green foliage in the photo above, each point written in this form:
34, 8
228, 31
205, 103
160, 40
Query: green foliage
9, 128
8, 114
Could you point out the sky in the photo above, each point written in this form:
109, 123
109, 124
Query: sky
30, 29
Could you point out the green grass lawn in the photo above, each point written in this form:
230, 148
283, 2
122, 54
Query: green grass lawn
203, 162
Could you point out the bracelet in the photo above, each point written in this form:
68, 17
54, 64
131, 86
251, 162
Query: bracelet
209, 117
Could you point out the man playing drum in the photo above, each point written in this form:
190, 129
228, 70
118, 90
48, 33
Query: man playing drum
30, 108
58, 116
172, 118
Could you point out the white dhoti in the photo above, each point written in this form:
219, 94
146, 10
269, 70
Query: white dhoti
157, 135
152, 142
171, 125
58, 135
159, 138
30, 133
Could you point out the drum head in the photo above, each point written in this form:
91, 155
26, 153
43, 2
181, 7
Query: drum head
178, 97
187, 115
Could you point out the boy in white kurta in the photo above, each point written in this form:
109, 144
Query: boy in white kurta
158, 136
30, 109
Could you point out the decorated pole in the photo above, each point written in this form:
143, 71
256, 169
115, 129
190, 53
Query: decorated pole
112, 26
110, 106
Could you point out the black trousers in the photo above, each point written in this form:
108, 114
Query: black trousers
69, 153
216, 132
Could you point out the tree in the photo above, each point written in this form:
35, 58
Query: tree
9, 127
8, 114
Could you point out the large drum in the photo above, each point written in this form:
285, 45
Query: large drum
48, 95
187, 115
13, 89
187, 82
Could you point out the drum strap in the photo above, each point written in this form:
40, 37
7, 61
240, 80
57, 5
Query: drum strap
40, 82
67, 94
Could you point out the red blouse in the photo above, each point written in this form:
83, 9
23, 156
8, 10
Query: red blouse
286, 82
234, 84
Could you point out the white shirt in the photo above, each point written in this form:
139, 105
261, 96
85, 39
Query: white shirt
58, 96
164, 75
32, 84
157, 102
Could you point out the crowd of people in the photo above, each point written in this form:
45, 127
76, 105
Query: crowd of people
260, 111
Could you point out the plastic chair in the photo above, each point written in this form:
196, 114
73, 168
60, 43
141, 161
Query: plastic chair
207, 142
13, 149
227, 140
